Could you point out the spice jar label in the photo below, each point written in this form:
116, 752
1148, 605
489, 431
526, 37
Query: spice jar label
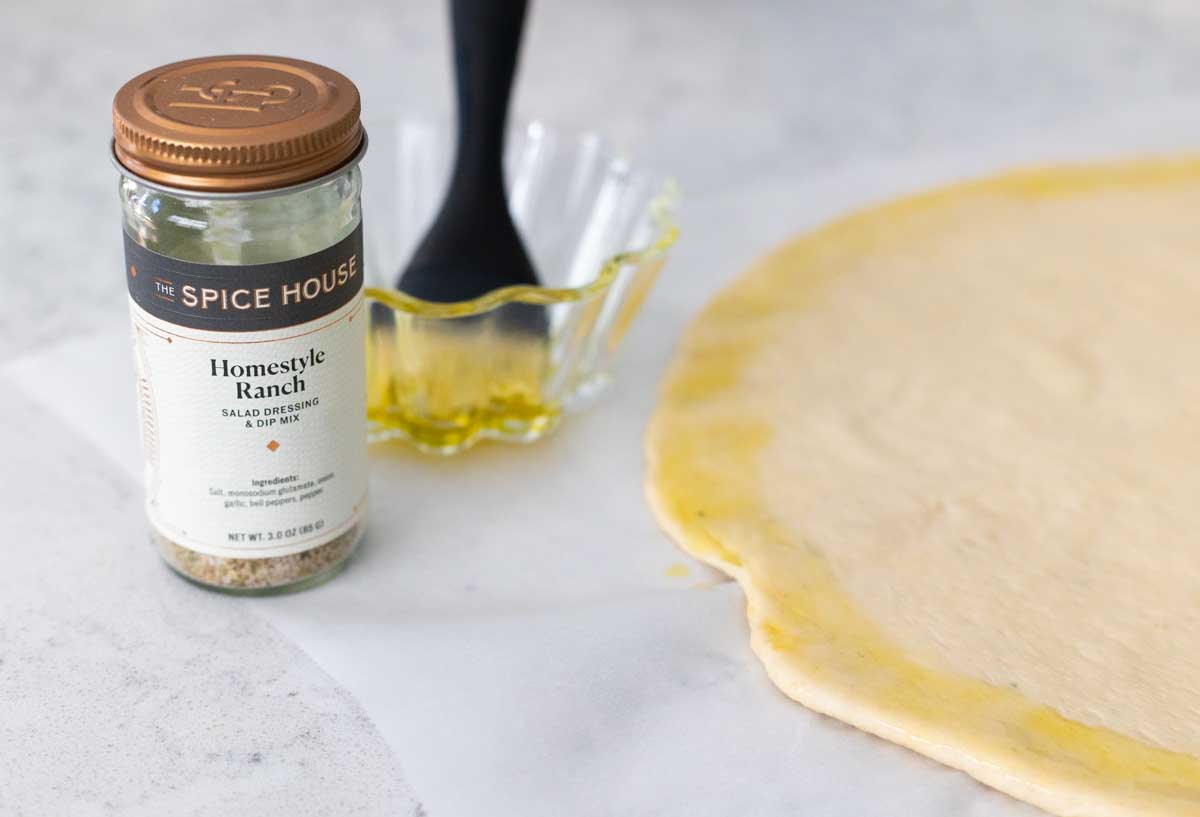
250, 382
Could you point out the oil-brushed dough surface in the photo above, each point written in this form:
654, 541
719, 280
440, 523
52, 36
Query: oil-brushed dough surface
950, 447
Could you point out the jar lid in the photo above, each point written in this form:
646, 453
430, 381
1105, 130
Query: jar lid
236, 123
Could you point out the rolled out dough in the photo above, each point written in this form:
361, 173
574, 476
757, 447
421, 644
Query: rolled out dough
950, 448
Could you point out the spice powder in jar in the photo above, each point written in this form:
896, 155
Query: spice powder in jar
243, 257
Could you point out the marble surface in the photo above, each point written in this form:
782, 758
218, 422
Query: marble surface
125, 691
510, 635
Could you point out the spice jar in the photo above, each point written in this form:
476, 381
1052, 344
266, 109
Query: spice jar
243, 258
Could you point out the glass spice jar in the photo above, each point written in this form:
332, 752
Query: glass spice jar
243, 243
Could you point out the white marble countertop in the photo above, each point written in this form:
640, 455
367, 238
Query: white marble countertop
532, 656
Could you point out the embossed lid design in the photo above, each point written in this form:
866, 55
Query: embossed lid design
236, 123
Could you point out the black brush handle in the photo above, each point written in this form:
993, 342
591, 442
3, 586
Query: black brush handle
487, 39
473, 247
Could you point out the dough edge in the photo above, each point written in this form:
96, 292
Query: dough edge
996, 735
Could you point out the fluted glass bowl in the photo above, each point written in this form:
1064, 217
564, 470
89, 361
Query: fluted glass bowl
510, 364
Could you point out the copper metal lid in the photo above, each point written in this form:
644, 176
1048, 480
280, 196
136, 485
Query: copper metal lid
239, 123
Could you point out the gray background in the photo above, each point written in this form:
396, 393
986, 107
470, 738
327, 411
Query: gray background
740, 100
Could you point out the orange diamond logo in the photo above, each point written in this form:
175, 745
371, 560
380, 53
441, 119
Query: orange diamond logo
273, 445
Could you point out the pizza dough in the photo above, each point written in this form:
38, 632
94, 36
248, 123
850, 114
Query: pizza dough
950, 448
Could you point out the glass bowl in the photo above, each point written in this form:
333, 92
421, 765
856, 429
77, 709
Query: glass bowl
510, 364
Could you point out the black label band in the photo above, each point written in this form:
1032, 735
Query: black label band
252, 298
